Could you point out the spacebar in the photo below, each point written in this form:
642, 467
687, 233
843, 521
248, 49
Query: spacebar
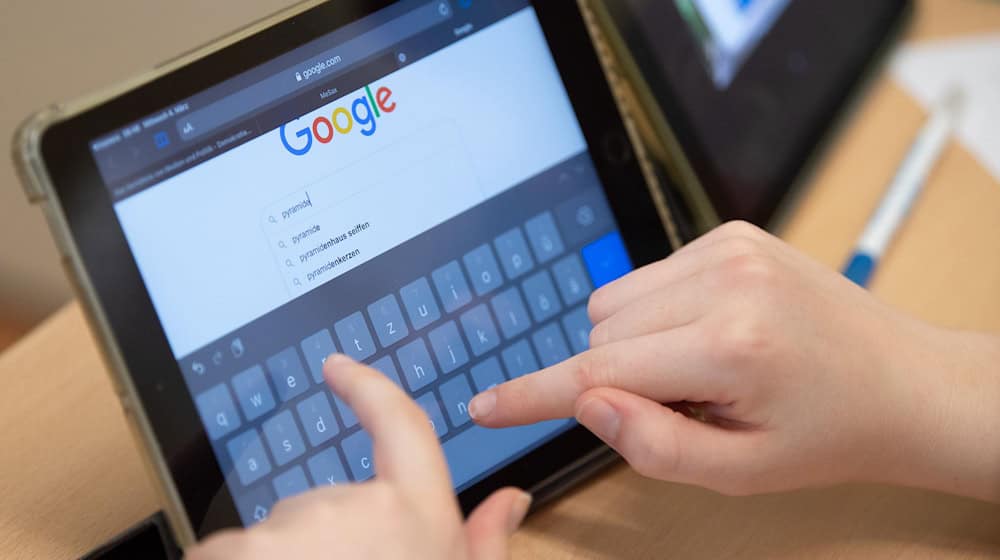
479, 449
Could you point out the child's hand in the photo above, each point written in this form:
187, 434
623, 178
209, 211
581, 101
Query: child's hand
804, 378
408, 511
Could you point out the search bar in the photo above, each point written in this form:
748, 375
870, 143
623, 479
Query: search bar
329, 63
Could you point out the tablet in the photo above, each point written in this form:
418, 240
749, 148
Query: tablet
433, 187
749, 88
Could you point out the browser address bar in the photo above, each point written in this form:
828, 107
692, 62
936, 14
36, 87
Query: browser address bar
331, 62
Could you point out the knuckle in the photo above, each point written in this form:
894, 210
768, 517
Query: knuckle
748, 271
744, 340
592, 369
740, 228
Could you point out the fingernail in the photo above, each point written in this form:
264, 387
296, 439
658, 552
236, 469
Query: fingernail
482, 405
600, 417
518, 512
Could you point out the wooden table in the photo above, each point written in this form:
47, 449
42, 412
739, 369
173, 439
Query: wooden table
70, 476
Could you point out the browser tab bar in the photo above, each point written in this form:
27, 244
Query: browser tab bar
327, 64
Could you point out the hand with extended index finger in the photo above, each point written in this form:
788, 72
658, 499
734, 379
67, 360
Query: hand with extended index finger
799, 378
408, 510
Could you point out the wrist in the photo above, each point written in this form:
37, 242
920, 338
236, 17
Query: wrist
946, 434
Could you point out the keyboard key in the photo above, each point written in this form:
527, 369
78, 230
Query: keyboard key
287, 374
388, 367
541, 294
429, 402
254, 505
511, 312
354, 336
416, 364
519, 359
584, 217
218, 413
514, 254
388, 321
316, 348
253, 393
317, 418
544, 237
571, 279
456, 394
290, 483
247, 454
451, 286
358, 450
346, 414
448, 347
326, 468
482, 269
480, 330
577, 325
283, 437
487, 374
550, 344
419, 303
607, 260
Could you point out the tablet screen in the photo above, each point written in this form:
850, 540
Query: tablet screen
413, 190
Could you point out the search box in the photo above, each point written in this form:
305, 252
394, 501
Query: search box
327, 64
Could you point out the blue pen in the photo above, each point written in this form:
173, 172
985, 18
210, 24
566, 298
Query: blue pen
903, 190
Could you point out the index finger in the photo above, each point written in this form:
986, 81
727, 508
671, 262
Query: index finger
666, 367
405, 447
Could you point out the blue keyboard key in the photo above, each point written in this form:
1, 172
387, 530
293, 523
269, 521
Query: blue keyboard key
326, 469
451, 286
317, 418
217, 411
346, 414
487, 374
448, 347
354, 336
419, 303
544, 237
541, 295
480, 330
550, 344
456, 394
290, 483
514, 254
248, 456
519, 359
358, 450
416, 364
255, 504
283, 438
316, 349
388, 321
511, 312
253, 393
287, 374
606, 259
429, 402
388, 367
571, 279
482, 269
577, 325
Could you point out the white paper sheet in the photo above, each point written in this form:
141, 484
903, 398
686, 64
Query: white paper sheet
929, 70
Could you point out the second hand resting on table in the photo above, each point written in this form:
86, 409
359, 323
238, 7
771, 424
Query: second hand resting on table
800, 379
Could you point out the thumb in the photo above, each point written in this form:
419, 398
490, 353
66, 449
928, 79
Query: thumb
663, 444
490, 525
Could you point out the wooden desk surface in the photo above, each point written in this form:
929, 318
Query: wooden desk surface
70, 476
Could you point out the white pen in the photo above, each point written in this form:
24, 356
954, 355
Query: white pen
904, 189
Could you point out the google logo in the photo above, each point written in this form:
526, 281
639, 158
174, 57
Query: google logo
363, 111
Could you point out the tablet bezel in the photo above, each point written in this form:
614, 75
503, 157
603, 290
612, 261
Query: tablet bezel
116, 292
